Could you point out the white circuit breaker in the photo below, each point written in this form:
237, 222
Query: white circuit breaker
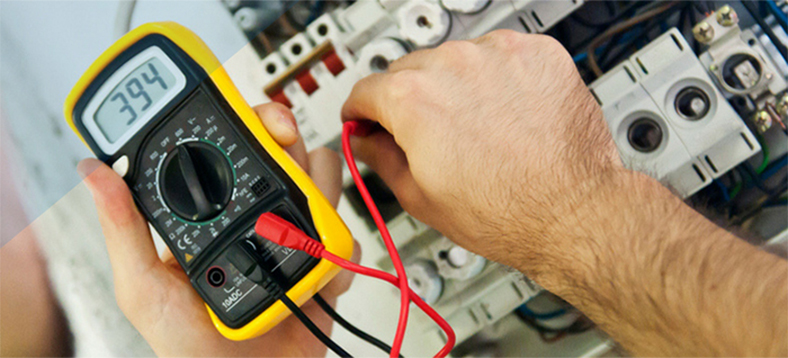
738, 62
669, 120
742, 68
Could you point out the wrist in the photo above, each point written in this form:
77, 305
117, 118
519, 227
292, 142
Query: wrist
603, 228
641, 263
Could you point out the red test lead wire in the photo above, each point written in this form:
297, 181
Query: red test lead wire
286, 234
348, 129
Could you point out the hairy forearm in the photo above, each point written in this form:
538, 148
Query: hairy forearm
663, 280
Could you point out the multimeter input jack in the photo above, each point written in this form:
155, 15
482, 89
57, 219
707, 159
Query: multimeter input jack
216, 277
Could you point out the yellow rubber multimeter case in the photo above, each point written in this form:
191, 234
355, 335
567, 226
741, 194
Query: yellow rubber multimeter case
159, 108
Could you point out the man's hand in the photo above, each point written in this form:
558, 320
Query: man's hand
498, 144
155, 293
491, 141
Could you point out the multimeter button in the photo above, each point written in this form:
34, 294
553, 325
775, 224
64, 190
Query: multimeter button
197, 181
121, 166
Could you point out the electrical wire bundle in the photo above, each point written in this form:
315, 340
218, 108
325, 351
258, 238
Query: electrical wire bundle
629, 28
620, 28
550, 334
780, 17
747, 189
284, 233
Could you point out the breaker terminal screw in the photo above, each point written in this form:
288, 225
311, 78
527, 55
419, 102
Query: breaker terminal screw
762, 121
727, 17
782, 106
703, 32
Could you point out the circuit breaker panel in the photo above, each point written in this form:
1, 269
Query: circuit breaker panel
688, 110
668, 118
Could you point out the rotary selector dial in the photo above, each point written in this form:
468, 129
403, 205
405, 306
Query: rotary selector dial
196, 181
196, 176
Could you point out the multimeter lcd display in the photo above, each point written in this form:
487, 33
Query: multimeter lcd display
133, 97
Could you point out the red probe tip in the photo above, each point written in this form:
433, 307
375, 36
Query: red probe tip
361, 128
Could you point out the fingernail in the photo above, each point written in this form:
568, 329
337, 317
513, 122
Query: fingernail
288, 121
87, 166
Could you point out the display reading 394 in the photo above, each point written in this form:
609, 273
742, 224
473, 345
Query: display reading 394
160, 110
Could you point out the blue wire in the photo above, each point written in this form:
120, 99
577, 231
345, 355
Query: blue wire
626, 37
774, 168
724, 190
314, 11
663, 26
523, 309
779, 15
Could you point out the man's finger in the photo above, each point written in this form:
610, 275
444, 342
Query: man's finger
128, 238
279, 121
413, 61
382, 154
325, 168
394, 100
369, 100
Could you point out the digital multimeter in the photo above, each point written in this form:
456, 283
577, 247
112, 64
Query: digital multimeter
159, 108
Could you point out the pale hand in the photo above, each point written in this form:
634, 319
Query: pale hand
155, 294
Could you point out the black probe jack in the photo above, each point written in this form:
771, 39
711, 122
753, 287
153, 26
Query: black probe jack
247, 263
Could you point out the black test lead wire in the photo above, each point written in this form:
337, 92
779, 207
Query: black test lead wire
246, 262
349, 326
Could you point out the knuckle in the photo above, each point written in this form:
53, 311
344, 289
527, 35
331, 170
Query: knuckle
560, 52
507, 39
547, 42
553, 48
363, 84
404, 84
458, 50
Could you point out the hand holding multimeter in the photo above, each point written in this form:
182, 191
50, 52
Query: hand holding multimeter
161, 111
146, 286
